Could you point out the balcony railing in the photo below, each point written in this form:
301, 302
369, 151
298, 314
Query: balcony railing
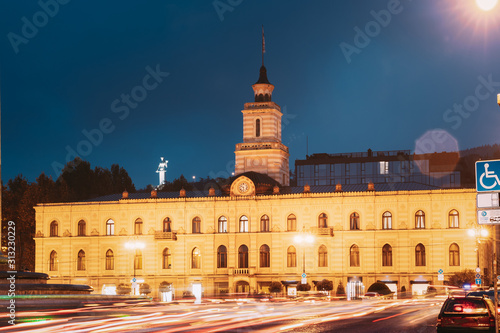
165, 235
323, 231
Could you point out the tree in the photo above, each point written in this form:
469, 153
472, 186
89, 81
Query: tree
466, 276
304, 287
123, 289
380, 288
340, 289
324, 285
275, 287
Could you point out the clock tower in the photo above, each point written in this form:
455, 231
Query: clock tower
262, 150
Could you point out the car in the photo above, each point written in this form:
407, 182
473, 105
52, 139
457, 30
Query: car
466, 314
372, 294
488, 293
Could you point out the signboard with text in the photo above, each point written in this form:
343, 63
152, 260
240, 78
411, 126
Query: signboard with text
489, 216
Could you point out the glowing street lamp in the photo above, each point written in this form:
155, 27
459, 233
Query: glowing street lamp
478, 233
304, 239
486, 5
134, 245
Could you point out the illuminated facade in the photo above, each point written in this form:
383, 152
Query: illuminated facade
242, 238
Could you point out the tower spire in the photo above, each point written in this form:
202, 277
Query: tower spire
263, 45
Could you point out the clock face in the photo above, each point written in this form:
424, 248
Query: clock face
243, 187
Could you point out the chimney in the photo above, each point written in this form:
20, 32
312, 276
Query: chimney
125, 195
153, 194
338, 187
182, 193
307, 188
371, 186
211, 192
276, 189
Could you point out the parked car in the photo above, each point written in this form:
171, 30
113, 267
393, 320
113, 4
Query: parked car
372, 294
466, 314
488, 293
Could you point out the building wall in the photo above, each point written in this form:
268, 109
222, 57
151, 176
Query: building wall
436, 237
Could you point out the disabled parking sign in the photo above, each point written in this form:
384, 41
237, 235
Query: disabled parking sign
488, 176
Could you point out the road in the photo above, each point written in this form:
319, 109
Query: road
418, 315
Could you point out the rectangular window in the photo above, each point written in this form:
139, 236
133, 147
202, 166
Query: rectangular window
384, 167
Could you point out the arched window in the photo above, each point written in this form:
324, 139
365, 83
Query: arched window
110, 260
453, 219
222, 257
167, 257
243, 223
291, 223
265, 256
53, 261
257, 127
138, 259
387, 220
354, 221
196, 258
387, 255
420, 255
82, 226
138, 227
354, 256
167, 225
222, 224
243, 256
196, 225
322, 256
291, 257
110, 227
80, 265
264, 223
54, 229
420, 220
323, 220
454, 255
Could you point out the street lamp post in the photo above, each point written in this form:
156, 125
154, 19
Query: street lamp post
304, 239
484, 234
478, 233
495, 279
134, 245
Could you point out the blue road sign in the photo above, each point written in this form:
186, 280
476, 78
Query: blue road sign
478, 281
488, 176
478, 276
440, 271
304, 275
134, 280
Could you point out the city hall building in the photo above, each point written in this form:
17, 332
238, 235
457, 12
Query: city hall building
259, 229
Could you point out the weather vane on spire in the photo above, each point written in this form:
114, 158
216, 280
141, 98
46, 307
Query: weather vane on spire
263, 45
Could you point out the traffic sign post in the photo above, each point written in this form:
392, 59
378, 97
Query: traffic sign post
488, 210
478, 282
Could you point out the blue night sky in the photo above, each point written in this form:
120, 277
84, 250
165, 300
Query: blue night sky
346, 91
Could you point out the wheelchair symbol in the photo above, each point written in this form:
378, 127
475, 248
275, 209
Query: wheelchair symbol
489, 175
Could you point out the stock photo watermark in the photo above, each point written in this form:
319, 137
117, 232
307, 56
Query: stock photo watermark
11, 280
120, 106
30, 27
439, 140
373, 28
223, 6
485, 88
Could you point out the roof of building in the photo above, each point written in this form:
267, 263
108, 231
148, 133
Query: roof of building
379, 187
263, 76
